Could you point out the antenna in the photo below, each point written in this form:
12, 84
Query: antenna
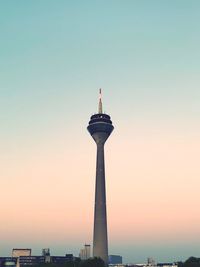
100, 102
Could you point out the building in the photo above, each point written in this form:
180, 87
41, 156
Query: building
62, 259
100, 127
30, 260
151, 262
8, 262
23, 258
45, 252
167, 264
46, 255
85, 252
19, 252
115, 259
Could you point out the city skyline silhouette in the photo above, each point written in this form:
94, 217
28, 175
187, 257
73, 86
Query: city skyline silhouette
54, 58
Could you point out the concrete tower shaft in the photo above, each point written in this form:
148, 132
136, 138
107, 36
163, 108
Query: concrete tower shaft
100, 127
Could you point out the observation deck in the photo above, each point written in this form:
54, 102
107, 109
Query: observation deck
100, 123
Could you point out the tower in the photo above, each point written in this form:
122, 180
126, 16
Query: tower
100, 127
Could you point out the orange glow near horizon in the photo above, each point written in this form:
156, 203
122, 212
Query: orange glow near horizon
152, 189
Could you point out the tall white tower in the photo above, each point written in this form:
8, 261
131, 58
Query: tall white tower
100, 127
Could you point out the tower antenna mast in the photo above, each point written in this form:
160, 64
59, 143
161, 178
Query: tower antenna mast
100, 111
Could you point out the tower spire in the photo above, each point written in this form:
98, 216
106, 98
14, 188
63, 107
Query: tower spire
100, 102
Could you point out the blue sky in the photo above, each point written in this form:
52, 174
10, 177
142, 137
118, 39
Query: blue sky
144, 51
55, 55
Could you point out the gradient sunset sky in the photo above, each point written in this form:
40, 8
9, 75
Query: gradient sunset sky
145, 55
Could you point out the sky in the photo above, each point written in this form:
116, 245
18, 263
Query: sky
54, 57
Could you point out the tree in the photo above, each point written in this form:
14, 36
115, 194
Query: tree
192, 262
93, 262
